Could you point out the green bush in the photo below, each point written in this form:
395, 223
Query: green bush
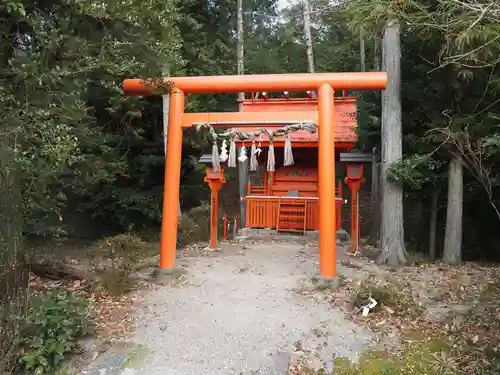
393, 295
121, 255
195, 225
54, 322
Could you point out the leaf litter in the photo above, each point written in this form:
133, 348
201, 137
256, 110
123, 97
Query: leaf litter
465, 299
426, 303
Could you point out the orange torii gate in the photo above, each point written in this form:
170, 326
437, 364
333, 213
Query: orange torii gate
324, 83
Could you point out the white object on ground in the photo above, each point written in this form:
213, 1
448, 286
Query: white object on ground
371, 304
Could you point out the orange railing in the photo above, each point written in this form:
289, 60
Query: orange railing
286, 213
264, 212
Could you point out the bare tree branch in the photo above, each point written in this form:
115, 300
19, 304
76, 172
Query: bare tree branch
472, 154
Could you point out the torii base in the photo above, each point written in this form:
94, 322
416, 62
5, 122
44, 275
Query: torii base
169, 276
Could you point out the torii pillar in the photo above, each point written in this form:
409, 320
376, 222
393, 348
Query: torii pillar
324, 83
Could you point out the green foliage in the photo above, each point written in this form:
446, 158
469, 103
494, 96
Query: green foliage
116, 258
471, 33
67, 117
370, 363
415, 171
420, 357
195, 225
73, 142
394, 296
491, 144
49, 331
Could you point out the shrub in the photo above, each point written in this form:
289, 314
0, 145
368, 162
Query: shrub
122, 254
50, 330
395, 296
195, 225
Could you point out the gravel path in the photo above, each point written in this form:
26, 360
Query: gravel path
237, 314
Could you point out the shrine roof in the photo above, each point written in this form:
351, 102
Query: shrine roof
345, 118
344, 133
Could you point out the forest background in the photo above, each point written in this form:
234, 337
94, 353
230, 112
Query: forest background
80, 159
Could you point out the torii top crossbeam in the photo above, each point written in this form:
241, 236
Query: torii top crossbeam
324, 83
264, 82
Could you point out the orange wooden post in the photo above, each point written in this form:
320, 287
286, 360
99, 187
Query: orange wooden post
172, 181
215, 186
354, 180
326, 182
354, 185
214, 222
215, 180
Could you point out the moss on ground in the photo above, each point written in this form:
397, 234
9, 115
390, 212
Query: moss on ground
395, 296
471, 346
137, 357
418, 358
370, 363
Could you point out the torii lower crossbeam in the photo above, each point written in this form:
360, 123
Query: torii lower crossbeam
325, 84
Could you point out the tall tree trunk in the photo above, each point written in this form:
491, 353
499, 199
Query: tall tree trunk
240, 49
306, 13
375, 198
392, 233
376, 55
452, 253
433, 223
166, 111
362, 51
242, 166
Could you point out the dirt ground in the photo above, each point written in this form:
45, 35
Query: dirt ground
237, 311
256, 307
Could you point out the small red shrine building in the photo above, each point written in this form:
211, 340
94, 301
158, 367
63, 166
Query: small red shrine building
324, 117
287, 199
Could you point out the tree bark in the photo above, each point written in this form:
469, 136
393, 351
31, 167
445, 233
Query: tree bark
393, 249
362, 51
376, 56
452, 253
374, 188
375, 199
242, 166
240, 49
433, 223
306, 13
